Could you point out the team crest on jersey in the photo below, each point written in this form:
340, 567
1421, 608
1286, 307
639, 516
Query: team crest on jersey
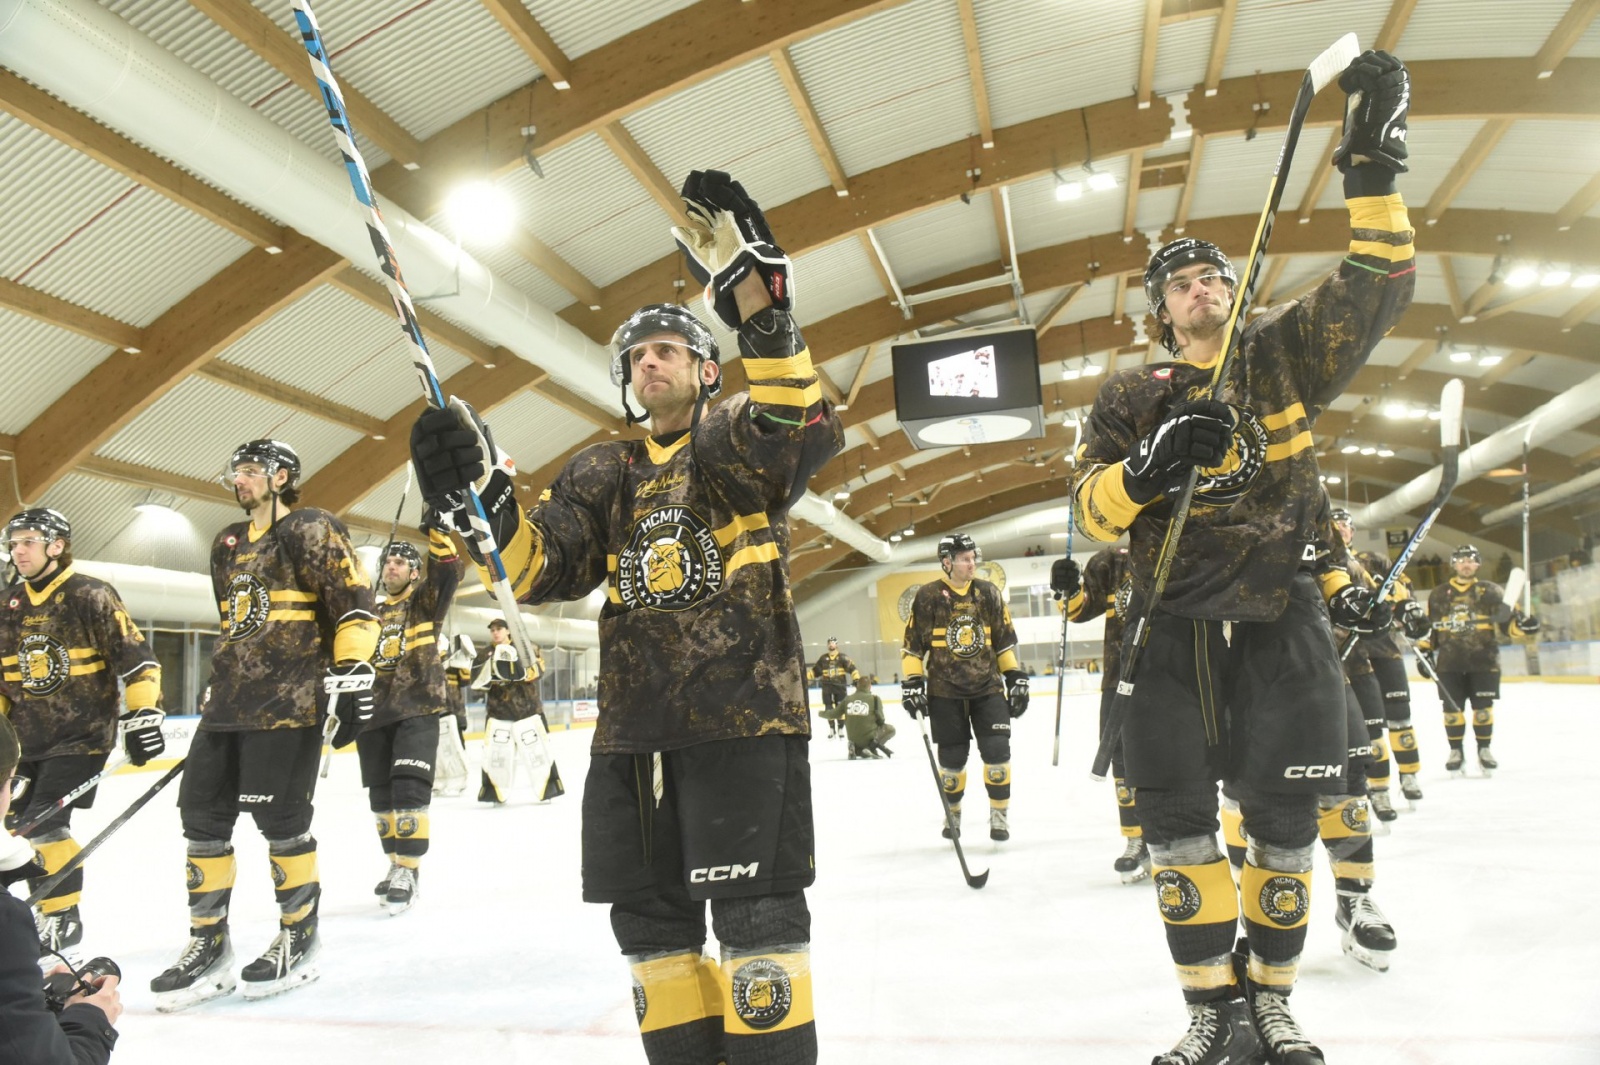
391, 647
964, 636
1226, 484
672, 561
762, 993
1284, 900
1177, 895
1124, 598
45, 664
248, 604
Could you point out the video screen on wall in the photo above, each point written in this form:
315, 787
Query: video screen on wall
974, 388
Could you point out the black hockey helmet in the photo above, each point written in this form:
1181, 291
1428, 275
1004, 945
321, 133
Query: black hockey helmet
1341, 516
1170, 258
952, 544
408, 552
52, 523
833, 639
1466, 551
653, 320
273, 455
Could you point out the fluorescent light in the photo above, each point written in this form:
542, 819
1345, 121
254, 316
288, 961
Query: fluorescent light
1334, 478
1091, 369
1386, 452
1058, 536
1416, 413
1101, 182
1369, 451
895, 538
1490, 360
1070, 373
1461, 356
1350, 449
842, 496
1586, 281
1068, 190
1393, 410
1433, 415
153, 508
1522, 277
480, 212
1554, 276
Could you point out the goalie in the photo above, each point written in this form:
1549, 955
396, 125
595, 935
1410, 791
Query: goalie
515, 730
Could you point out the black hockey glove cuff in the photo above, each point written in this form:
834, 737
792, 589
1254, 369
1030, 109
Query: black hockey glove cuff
1197, 433
1358, 610
1375, 113
770, 333
914, 695
1527, 623
728, 237
1017, 691
1414, 620
141, 734
1065, 578
350, 700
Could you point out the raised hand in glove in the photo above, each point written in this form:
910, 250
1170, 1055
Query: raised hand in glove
1528, 623
1359, 610
914, 695
1375, 114
140, 734
1196, 433
1065, 578
350, 700
1017, 691
727, 237
1414, 620
452, 449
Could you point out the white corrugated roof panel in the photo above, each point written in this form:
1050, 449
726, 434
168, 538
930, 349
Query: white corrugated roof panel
51, 190
1235, 175
589, 209
137, 259
192, 430
1042, 56
1156, 209
890, 85
1272, 35
580, 26
1537, 166
512, 268
380, 503
1182, 51
533, 430
106, 528
940, 240
50, 360
1468, 29
1041, 220
696, 130
1588, 46
834, 278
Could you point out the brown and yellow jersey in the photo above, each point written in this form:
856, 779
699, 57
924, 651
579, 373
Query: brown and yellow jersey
834, 669
960, 637
1465, 612
410, 678
1107, 589
1377, 566
64, 646
1252, 514
293, 601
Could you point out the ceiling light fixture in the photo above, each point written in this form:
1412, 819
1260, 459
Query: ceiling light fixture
1522, 276
480, 212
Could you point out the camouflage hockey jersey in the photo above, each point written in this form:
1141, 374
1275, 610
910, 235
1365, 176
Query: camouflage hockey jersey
1252, 514
63, 647
1384, 644
961, 638
1465, 616
510, 693
689, 535
410, 678
1107, 589
834, 669
293, 601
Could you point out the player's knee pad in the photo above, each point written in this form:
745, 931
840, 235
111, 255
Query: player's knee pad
409, 793
767, 996
1482, 715
1176, 814
754, 922
1278, 820
995, 748
207, 826
658, 925
954, 781
210, 873
54, 835
953, 755
287, 824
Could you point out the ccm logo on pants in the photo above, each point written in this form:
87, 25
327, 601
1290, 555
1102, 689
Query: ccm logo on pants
1313, 772
722, 872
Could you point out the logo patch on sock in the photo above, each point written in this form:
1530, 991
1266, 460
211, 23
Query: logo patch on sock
1177, 895
1284, 900
762, 993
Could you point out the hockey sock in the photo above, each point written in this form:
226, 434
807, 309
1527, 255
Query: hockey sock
211, 871
997, 782
1378, 768
1345, 825
1403, 742
1233, 832
955, 784
411, 836
1276, 889
1455, 727
1483, 724
766, 1006
385, 823
677, 1000
57, 850
1200, 907
1127, 811
294, 876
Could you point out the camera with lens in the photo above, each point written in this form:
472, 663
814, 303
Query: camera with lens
59, 987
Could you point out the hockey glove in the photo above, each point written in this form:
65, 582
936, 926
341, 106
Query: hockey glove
1065, 579
1196, 433
140, 734
1358, 610
914, 695
1017, 691
1528, 624
1414, 620
350, 700
452, 449
727, 237
1375, 113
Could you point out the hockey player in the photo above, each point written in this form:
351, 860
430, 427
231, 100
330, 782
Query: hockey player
833, 674
866, 730
400, 743
450, 768
1104, 587
1280, 736
959, 660
699, 753
514, 713
297, 623
66, 642
1465, 613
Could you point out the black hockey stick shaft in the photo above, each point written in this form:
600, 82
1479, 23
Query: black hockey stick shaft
1066, 639
1424, 659
115, 763
44, 889
1327, 66
973, 880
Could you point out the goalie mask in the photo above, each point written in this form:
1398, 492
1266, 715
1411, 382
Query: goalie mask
654, 321
1168, 260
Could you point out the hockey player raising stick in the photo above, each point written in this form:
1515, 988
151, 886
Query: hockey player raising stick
515, 718
398, 746
698, 785
66, 641
297, 618
1263, 711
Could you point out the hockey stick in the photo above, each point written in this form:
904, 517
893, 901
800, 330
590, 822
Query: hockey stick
89, 848
114, 763
1450, 403
393, 280
973, 880
1527, 513
1066, 638
1323, 70
1424, 659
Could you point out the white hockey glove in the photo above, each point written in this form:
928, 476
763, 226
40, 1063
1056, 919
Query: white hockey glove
140, 734
350, 701
727, 237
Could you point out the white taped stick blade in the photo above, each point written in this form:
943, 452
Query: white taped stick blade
1451, 400
1330, 64
1514, 586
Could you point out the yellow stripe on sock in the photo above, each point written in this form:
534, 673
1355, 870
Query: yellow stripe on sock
1275, 899
673, 990
1196, 894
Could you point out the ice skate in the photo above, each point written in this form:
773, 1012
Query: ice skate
999, 828
1486, 761
1134, 863
402, 890
1453, 763
1368, 936
58, 933
291, 960
1281, 1037
955, 820
203, 971
1220, 1033
1383, 810
382, 889
1410, 788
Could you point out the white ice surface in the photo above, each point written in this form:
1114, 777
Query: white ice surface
1488, 886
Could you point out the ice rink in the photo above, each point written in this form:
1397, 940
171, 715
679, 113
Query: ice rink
1054, 961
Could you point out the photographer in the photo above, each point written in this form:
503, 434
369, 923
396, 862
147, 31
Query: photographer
82, 1033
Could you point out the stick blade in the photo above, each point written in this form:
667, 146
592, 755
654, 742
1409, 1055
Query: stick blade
1514, 586
1331, 63
976, 881
1451, 401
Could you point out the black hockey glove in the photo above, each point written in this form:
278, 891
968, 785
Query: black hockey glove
726, 238
1414, 620
452, 449
350, 700
1196, 433
1528, 623
140, 733
1065, 578
1017, 691
1358, 610
1375, 114
914, 695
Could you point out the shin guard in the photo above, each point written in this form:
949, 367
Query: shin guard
1200, 908
55, 854
294, 877
1483, 725
1344, 822
1127, 811
211, 871
410, 836
677, 999
1276, 890
767, 1009
997, 782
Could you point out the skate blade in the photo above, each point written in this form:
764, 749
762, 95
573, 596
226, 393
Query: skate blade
1379, 826
254, 989
1136, 875
395, 909
173, 1001
1458, 773
1376, 960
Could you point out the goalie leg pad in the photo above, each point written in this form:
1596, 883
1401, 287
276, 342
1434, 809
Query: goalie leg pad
500, 753
450, 762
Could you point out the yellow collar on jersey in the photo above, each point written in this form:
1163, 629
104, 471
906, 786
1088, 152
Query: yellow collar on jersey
400, 596
959, 589
38, 597
1461, 585
661, 453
